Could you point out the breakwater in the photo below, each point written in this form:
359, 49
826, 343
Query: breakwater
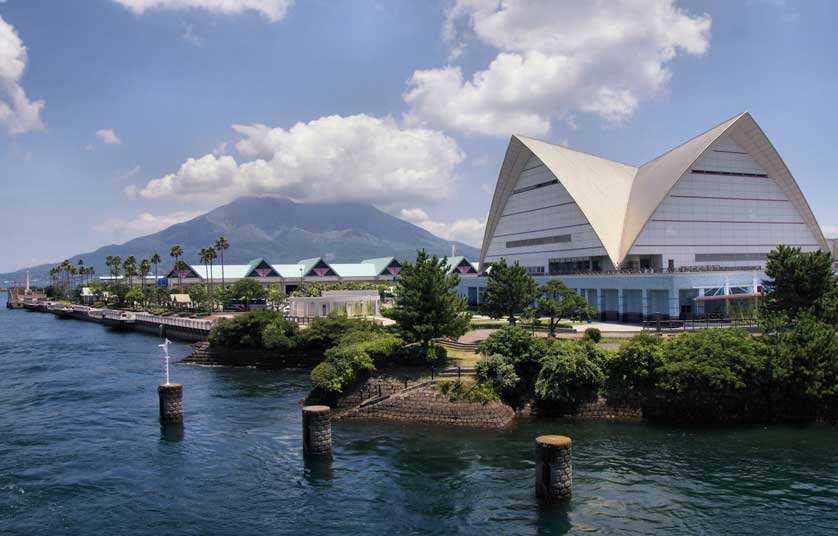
172, 327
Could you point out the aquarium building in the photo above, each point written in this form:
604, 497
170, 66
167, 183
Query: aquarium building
685, 234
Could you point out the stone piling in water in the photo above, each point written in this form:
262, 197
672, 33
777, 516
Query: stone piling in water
171, 403
317, 430
553, 468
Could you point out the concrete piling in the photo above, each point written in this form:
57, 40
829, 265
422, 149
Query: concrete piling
553, 468
171, 403
317, 430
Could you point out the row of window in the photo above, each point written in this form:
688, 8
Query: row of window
538, 241
535, 186
726, 257
728, 173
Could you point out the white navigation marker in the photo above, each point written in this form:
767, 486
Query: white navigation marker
165, 347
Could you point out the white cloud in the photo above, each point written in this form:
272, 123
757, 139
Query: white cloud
555, 58
359, 157
468, 230
108, 136
220, 149
274, 10
17, 113
88, 147
143, 224
190, 36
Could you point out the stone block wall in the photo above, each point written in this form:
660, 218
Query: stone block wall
204, 354
426, 404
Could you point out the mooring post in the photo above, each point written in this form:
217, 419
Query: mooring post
317, 430
553, 468
171, 403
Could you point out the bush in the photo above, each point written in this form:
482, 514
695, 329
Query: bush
459, 390
712, 360
568, 376
325, 376
354, 357
280, 335
632, 372
520, 348
325, 331
593, 334
497, 372
246, 330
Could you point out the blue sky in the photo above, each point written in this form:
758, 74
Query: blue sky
120, 117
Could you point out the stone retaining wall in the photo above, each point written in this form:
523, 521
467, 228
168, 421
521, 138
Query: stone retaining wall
203, 354
426, 404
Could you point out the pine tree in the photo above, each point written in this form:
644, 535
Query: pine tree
427, 304
509, 290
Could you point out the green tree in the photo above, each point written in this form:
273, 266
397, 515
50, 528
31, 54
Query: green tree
156, 260
221, 245
568, 375
145, 268
509, 290
633, 372
176, 253
276, 297
247, 290
130, 268
133, 297
427, 305
559, 301
799, 281
207, 255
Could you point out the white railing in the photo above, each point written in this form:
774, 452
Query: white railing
177, 322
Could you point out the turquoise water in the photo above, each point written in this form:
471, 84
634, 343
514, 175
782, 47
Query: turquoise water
81, 453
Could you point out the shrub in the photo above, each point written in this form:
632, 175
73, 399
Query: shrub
458, 390
720, 360
520, 348
244, 330
568, 376
280, 334
325, 376
497, 372
593, 334
325, 331
632, 372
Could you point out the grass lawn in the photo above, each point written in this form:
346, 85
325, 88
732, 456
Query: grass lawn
463, 358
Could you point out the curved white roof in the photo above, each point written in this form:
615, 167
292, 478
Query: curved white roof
617, 199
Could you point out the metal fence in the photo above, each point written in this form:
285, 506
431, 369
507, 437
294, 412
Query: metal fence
693, 324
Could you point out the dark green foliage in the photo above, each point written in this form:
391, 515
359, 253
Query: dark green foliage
632, 372
568, 376
800, 282
324, 331
498, 372
459, 390
247, 290
804, 359
520, 348
427, 304
724, 369
247, 330
509, 290
353, 357
559, 301
593, 334
280, 335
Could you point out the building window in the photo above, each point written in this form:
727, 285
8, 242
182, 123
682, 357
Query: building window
729, 173
727, 257
573, 265
535, 186
538, 241
535, 270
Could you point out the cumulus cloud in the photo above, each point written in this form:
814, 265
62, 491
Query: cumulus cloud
108, 136
467, 230
273, 10
17, 113
554, 58
359, 157
142, 224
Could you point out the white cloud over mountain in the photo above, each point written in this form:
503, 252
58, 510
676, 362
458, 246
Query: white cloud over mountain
17, 113
466, 230
340, 158
555, 58
274, 10
143, 224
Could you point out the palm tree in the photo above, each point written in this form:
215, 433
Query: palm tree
155, 260
207, 255
211, 256
82, 271
177, 253
145, 268
222, 245
130, 267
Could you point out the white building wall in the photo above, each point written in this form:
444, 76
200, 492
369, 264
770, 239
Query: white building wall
723, 214
542, 212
